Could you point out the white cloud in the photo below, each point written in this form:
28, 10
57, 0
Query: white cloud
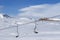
43, 10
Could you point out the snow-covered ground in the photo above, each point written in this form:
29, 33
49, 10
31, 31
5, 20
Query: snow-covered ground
46, 30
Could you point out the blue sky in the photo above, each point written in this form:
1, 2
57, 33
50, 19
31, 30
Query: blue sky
11, 7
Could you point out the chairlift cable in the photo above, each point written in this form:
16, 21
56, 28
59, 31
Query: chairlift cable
54, 16
26, 23
19, 25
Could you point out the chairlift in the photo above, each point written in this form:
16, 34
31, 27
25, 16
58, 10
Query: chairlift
41, 19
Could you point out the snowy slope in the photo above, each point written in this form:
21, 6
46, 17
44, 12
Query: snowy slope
1, 15
46, 30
